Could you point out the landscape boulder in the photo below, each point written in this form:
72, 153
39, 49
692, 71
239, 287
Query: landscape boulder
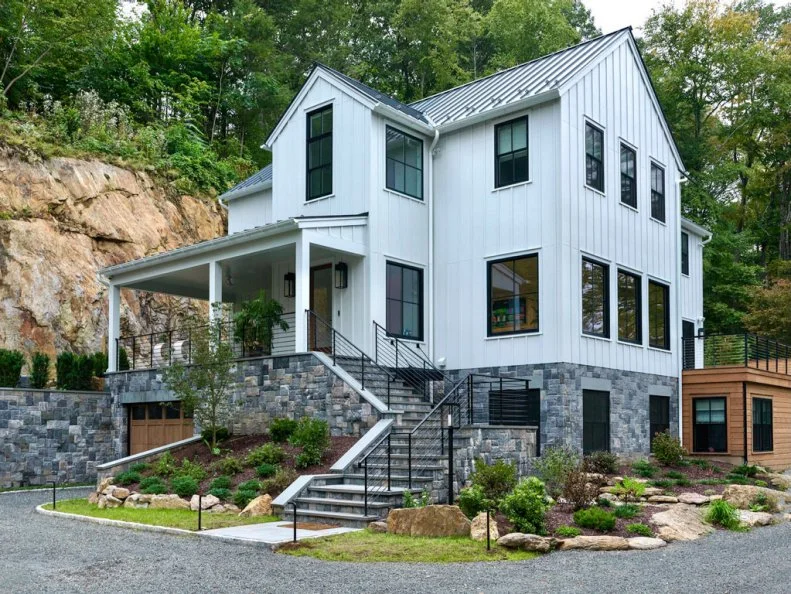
744, 496
208, 502
260, 506
110, 501
478, 528
526, 542
645, 543
779, 481
171, 501
93, 498
120, 493
692, 498
662, 499
432, 520
681, 522
594, 543
104, 483
380, 527
752, 519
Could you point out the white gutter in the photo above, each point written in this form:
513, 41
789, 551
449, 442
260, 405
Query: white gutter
431, 307
404, 119
489, 114
246, 191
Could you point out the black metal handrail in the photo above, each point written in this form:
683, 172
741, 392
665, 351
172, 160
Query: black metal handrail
323, 337
735, 350
161, 349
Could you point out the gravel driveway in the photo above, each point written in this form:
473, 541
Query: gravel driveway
43, 554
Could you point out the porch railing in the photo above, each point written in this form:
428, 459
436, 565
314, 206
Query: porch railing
161, 349
735, 350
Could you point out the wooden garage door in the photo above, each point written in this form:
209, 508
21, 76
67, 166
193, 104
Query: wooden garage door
156, 424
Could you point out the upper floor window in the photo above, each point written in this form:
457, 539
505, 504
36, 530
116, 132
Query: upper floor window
628, 176
404, 163
319, 175
594, 157
658, 315
657, 192
629, 308
404, 307
513, 295
684, 253
595, 298
510, 153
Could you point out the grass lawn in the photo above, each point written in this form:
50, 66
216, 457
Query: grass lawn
171, 518
367, 546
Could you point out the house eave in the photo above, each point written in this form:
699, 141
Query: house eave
497, 112
247, 191
693, 227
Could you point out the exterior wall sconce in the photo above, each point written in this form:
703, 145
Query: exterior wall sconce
341, 275
289, 284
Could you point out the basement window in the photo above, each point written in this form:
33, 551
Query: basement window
709, 430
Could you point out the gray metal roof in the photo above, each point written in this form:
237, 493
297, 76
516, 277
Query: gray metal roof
515, 84
258, 178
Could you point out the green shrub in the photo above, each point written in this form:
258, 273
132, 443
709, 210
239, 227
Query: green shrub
595, 518
139, 467
222, 434
495, 480
674, 474
601, 462
472, 501
184, 486
228, 465
123, 360
278, 483
99, 361
11, 363
191, 469
39, 370
567, 531
760, 503
251, 485
281, 429
155, 488
639, 529
700, 463
266, 470
712, 481
314, 437
148, 481
577, 490
409, 500
644, 468
601, 502
165, 465
221, 493
242, 497
737, 479
128, 478
221, 482
760, 483
683, 482
526, 506
309, 456
626, 511
667, 449
721, 513
628, 487
73, 372
662, 483
269, 453
745, 470
554, 465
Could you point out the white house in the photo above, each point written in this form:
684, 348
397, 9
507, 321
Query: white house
527, 223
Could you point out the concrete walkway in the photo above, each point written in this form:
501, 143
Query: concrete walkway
271, 533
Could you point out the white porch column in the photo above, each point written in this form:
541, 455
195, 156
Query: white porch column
215, 287
114, 326
302, 293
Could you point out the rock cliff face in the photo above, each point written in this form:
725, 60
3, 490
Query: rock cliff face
61, 220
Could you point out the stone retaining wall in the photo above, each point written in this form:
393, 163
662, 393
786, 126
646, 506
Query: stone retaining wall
57, 436
492, 443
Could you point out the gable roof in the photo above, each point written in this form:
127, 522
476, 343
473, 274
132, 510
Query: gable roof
260, 180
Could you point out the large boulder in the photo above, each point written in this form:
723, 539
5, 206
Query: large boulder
478, 528
662, 499
380, 527
744, 496
779, 481
645, 543
207, 502
594, 543
260, 506
692, 498
120, 493
752, 519
171, 501
526, 542
111, 501
104, 483
681, 522
432, 520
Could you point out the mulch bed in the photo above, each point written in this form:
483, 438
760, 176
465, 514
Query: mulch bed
563, 515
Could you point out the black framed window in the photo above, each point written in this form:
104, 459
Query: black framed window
511, 153
173, 410
595, 421
630, 313
684, 253
404, 308
762, 425
659, 415
515, 407
595, 298
658, 315
594, 157
513, 295
138, 412
688, 344
657, 192
319, 161
404, 162
628, 176
709, 430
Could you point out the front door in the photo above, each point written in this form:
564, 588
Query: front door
321, 305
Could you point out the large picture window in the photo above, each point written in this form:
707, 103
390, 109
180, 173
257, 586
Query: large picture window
595, 298
594, 157
595, 421
404, 163
709, 432
319, 179
659, 415
628, 176
629, 308
657, 192
685, 253
404, 309
762, 425
658, 315
513, 295
510, 153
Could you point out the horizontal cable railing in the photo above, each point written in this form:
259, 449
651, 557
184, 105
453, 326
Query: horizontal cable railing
735, 350
164, 348
323, 337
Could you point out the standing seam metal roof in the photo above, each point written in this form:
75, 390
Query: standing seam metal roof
264, 175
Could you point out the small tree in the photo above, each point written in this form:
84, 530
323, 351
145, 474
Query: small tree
203, 386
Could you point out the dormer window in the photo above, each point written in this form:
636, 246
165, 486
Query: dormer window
404, 163
319, 170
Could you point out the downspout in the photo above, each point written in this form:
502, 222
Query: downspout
744, 405
679, 326
431, 239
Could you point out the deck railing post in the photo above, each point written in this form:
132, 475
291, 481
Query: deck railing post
450, 457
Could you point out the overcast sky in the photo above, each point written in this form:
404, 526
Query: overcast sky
610, 15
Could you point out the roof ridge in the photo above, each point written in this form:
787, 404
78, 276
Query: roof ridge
517, 66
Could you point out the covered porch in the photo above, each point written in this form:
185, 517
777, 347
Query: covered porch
315, 263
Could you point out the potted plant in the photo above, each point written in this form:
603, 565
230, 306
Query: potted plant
255, 322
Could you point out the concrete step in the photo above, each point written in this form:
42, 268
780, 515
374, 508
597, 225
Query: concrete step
351, 520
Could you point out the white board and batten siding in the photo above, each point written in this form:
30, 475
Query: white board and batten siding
247, 212
692, 284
